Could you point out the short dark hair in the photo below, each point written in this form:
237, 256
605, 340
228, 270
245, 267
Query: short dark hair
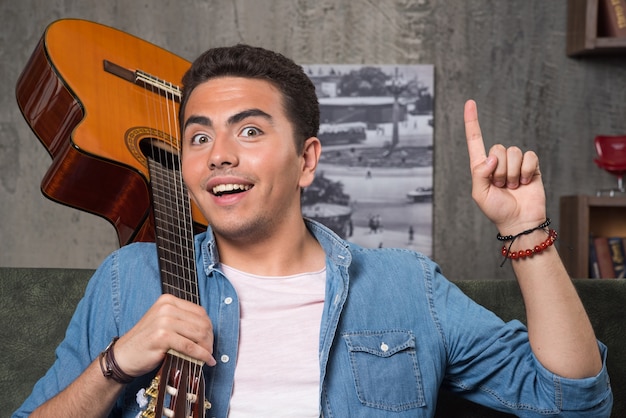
299, 97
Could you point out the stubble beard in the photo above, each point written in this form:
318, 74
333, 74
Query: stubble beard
245, 231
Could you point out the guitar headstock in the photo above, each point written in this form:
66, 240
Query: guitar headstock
177, 391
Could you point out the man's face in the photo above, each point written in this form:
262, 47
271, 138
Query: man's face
239, 157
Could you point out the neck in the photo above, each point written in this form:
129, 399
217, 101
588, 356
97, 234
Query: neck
286, 251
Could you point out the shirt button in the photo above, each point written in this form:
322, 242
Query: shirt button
224, 358
228, 300
384, 347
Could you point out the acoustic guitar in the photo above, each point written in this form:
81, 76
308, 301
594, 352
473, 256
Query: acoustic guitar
105, 106
95, 97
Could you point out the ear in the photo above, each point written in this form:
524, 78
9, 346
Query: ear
310, 157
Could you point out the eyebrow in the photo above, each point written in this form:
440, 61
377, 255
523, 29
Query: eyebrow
237, 117
198, 120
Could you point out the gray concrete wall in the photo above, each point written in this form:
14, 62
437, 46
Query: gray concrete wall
509, 55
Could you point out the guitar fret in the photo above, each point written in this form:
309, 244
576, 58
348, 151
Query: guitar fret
182, 276
177, 255
172, 221
176, 247
178, 270
184, 284
187, 295
168, 216
163, 199
179, 263
170, 237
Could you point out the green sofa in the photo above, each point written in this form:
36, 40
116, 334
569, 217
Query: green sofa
37, 303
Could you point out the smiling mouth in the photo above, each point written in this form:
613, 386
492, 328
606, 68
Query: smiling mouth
224, 189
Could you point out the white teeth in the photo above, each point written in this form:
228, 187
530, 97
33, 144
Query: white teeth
222, 188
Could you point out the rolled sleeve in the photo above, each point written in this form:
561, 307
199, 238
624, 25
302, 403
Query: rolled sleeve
580, 397
492, 363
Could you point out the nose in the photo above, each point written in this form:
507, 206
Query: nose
223, 153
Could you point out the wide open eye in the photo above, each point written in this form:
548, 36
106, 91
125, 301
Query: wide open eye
250, 131
200, 138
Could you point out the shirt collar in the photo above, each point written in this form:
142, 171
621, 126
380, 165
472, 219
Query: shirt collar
336, 249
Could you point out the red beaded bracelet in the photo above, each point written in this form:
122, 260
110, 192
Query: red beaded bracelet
521, 254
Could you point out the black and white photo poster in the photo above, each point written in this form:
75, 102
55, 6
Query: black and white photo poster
374, 185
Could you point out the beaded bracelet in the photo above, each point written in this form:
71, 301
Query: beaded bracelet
110, 368
521, 254
528, 231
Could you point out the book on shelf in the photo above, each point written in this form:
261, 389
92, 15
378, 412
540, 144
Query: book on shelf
607, 257
594, 266
612, 18
618, 256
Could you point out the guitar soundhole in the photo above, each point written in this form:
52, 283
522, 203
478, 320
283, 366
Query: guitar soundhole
161, 152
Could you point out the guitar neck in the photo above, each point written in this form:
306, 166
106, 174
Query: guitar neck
174, 229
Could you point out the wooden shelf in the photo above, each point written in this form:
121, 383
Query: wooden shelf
582, 31
582, 216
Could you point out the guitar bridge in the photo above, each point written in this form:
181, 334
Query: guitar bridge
145, 80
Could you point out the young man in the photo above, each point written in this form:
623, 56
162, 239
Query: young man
296, 322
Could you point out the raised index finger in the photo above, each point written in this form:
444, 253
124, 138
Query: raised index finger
475, 144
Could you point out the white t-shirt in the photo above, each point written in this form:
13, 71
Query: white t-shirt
277, 372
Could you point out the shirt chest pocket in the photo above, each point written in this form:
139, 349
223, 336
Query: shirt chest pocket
385, 369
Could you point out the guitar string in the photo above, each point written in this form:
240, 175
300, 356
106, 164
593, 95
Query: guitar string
184, 244
186, 380
172, 266
187, 231
153, 124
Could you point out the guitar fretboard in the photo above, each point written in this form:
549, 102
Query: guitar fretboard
174, 230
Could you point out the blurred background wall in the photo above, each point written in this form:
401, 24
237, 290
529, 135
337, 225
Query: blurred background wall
508, 55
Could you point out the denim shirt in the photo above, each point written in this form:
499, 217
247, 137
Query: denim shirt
393, 331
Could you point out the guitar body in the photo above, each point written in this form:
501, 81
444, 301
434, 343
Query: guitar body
92, 121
